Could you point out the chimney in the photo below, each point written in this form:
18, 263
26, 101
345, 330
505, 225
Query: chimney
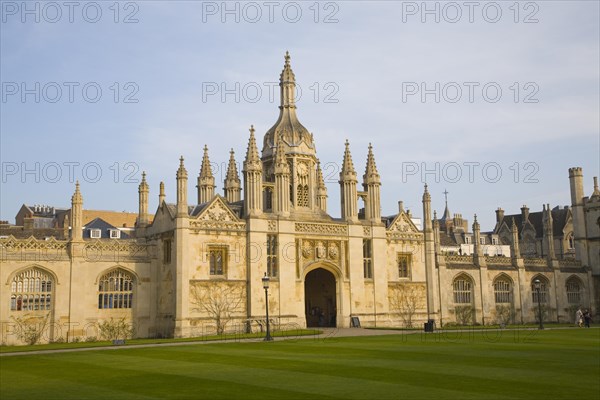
499, 214
525, 213
400, 206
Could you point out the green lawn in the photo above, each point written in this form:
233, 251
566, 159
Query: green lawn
550, 364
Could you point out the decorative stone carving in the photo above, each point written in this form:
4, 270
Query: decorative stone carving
320, 250
307, 249
272, 226
367, 230
333, 251
321, 229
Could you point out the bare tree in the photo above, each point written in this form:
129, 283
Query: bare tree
464, 314
406, 300
219, 300
504, 314
30, 328
118, 329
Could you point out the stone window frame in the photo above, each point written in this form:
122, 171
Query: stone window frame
115, 290
462, 289
32, 290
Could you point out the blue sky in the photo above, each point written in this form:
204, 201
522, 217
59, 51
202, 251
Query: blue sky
368, 71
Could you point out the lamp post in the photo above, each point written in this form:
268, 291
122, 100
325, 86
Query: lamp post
537, 285
265, 281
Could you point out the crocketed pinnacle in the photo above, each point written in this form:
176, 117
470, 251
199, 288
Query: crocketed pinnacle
232, 172
281, 164
205, 169
252, 161
371, 175
347, 164
143, 184
320, 180
181, 171
77, 198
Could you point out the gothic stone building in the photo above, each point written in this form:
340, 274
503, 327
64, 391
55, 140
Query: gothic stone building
198, 258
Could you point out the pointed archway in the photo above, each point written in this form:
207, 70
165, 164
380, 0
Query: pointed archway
320, 298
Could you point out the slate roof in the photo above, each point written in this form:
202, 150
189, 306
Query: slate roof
559, 220
104, 227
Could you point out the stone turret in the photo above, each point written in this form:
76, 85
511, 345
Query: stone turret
372, 184
182, 180
233, 185
321, 189
577, 209
76, 214
143, 191
253, 195
348, 181
206, 180
281, 203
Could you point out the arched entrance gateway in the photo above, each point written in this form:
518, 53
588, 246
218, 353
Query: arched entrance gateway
320, 298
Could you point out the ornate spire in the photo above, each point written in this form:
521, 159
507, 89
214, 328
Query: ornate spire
446, 215
182, 208
287, 81
205, 169
232, 172
76, 214
252, 161
281, 164
206, 180
232, 180
143, 202
77, 198
294, 133
475, 224
371, 175
320, 180
143, 184
426, 195
348, 170
181, 171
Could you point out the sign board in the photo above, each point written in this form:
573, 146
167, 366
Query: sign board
354, 322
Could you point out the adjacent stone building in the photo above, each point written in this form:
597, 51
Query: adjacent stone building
196, 266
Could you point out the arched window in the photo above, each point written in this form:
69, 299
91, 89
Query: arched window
543, 296
574, 291
302, 195
115, 290
570, 241
502, 290
462, 287
31, 290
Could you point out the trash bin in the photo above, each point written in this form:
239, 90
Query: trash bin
429, 325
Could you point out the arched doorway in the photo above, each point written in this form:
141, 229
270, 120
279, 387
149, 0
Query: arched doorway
320, 298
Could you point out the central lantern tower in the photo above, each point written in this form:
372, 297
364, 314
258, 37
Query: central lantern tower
292, 176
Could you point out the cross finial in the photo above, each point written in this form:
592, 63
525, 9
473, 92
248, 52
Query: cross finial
446, 195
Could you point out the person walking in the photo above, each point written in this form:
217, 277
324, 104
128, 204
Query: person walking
587, 317
579, 317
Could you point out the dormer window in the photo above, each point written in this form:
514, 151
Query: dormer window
95, 233
115, 233
482, 240
467, 240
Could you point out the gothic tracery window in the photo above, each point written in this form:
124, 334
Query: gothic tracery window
31, 290
502, 291
115, 290
574, 291
462, 288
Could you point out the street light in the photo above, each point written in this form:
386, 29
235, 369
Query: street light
537, 284
265, 281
